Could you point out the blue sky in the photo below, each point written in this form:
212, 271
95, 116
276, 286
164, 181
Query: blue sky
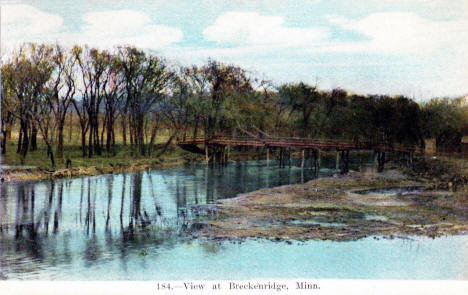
412, 47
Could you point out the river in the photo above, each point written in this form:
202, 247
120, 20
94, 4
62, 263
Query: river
143, 226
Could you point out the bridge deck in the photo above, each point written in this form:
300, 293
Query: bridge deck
299, 143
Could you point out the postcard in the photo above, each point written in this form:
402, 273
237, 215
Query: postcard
234, 147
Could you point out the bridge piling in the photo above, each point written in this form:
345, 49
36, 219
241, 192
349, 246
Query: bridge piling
318, 160
280, 157
268, 156
217, 149
345, 157
313, 163
227, 154
360, 161
302, 158
380, 161
220, 153
337, 162
306, 157
284, 155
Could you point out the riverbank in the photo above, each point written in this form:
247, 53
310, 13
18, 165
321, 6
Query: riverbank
37, 168
348, 207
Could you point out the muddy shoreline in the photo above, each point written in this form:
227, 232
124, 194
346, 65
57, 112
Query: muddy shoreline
342, 208
38, 173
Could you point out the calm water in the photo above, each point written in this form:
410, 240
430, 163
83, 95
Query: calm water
143, 226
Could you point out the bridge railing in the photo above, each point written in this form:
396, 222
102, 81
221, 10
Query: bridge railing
298, 142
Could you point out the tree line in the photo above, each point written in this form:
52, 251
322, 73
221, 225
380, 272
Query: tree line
142, 94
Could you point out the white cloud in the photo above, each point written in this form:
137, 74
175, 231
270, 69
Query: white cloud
25, 23
250, 28
438, 49
402, 33
109, 28
429, 34
437, 9
122, 21
106, 29
438, 4
397, 52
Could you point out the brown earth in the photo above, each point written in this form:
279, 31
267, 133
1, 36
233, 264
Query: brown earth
331, 209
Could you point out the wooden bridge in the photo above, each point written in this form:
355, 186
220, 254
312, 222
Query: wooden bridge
215, 148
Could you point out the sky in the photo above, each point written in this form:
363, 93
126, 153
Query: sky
417, 48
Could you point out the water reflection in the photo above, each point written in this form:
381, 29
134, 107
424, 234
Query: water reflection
116, 223
56, 223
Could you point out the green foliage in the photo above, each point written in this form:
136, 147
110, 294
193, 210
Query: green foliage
445, 119
304, 101
134, 89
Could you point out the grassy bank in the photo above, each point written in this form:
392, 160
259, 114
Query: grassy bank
37, 166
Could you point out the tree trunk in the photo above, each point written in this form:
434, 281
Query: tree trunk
104, 125
109, 134
113, 139
8, 126
381, 161
51, 154
195, 130
166, 145
131, 133
83, 141
97, 146
153, 137
34, 138
141, 136
25, 142
20, 139
90, 139
60, 138
71, 126
4, 140
124, 130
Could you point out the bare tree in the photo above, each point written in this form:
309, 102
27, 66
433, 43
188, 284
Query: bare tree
26, 76
92, 64
113, 98
145, 79
63, 89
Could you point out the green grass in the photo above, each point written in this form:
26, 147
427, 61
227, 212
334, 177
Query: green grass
123, 157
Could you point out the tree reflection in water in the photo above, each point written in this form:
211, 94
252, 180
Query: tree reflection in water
80, 222
27, 218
